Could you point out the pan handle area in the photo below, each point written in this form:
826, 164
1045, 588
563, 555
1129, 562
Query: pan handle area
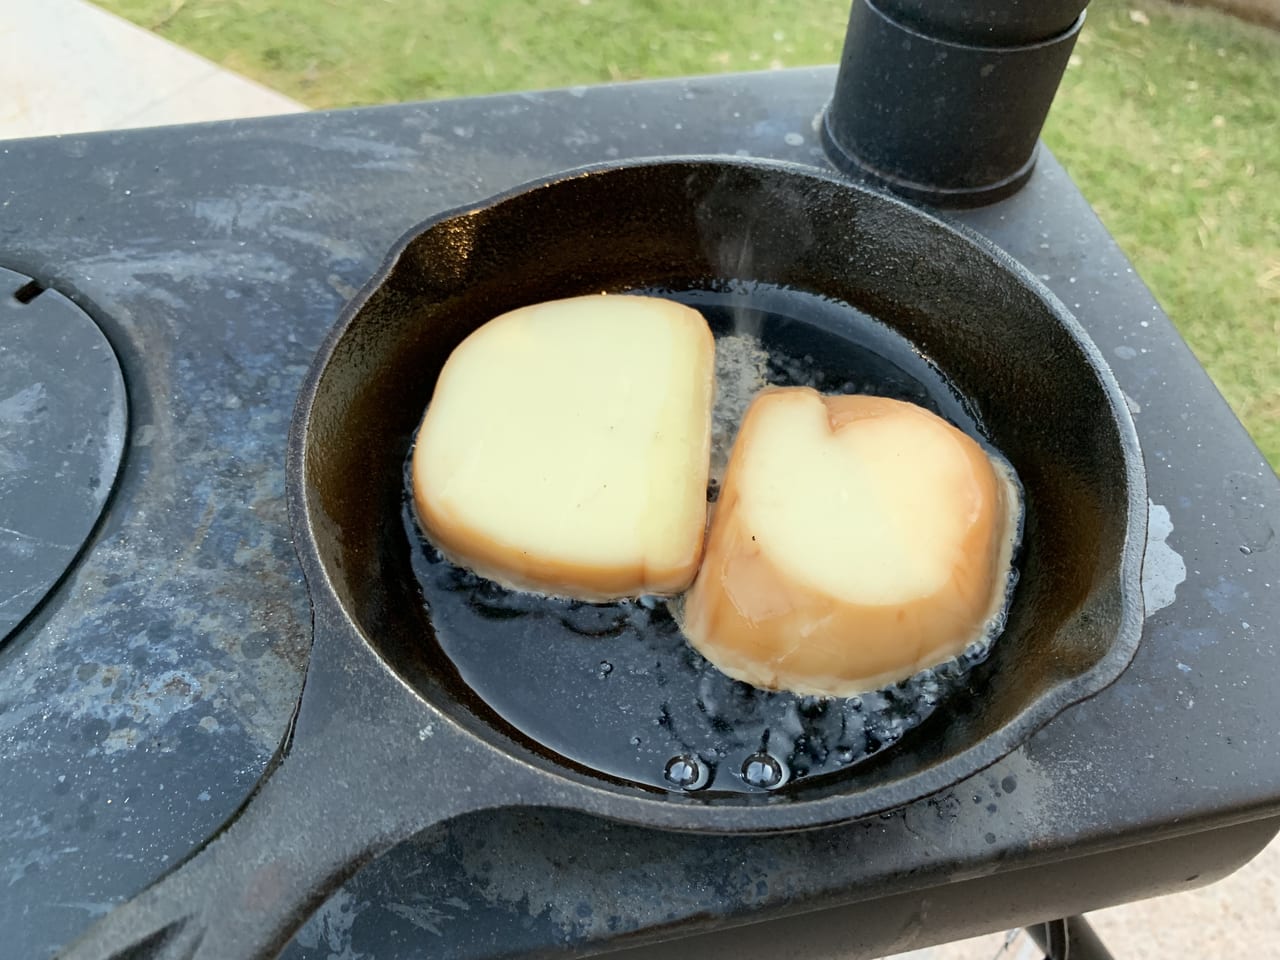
348, 788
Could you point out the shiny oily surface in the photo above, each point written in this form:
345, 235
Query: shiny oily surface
616, 688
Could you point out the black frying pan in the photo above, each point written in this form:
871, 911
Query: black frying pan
389, 740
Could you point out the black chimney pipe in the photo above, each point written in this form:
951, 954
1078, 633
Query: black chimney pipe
943, 100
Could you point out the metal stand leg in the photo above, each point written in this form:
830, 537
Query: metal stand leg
1070, 938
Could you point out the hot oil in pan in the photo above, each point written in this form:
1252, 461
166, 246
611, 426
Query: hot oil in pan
614, 687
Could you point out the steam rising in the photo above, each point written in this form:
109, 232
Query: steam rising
753, 234
731, 217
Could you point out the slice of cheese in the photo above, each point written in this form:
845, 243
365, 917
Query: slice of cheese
856, 541
566, 448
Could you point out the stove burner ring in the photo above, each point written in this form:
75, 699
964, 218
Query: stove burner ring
63, 417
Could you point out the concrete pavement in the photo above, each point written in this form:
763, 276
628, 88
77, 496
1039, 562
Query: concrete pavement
67, 66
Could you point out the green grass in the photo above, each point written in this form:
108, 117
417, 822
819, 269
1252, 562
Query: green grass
1169, 117
1172, 131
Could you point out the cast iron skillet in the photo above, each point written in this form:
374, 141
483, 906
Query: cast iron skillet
387, 741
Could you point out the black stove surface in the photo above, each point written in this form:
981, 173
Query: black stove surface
142, 700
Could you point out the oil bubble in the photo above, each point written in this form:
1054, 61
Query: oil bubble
764, 771
686, 772
811, 707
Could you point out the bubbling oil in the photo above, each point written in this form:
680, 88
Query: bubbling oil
742, 371
614, 687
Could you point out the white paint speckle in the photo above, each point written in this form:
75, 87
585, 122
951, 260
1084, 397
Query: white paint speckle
1163, 569
793, 139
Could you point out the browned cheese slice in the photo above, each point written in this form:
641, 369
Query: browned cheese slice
565, 450
856, 541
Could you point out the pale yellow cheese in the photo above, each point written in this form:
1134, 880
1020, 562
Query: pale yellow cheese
856, 541
566, 447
